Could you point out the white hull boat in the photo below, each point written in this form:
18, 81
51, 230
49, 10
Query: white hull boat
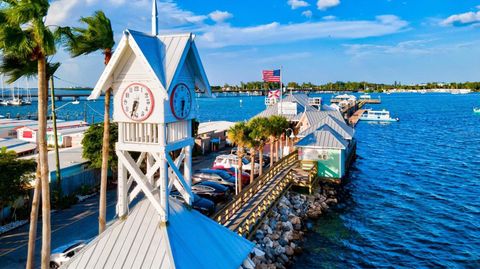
381, 116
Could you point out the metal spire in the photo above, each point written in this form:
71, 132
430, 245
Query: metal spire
154, 18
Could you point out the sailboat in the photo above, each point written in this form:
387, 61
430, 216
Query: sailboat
3, 101
16, 101
28, 101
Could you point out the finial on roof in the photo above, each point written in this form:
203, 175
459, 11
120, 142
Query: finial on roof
154, 18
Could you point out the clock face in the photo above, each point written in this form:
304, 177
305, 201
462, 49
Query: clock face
181, 101
137, 102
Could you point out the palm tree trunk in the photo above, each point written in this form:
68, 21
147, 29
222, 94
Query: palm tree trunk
261, 159
271, 152
105, 154
32, 233
102, 212
240, 164
55, 134
276, 150
42, 145
252, 164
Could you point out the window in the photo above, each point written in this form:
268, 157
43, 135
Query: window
27, 134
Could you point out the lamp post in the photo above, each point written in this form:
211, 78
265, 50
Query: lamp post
55, 136
292, 136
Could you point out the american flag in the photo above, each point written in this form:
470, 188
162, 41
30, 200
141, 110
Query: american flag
271, 75
274, 94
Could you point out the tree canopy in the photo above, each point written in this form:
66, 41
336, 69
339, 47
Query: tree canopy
92, 145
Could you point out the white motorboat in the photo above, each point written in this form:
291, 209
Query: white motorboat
373, 115
365, 96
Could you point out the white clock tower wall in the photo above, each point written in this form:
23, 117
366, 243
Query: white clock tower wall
134, 71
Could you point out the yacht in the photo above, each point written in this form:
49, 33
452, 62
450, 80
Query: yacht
373, 115
365, 96
476, 110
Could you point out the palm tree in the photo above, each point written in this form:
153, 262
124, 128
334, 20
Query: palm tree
239, 135
24, 33
259, 127
97, 35
275, 128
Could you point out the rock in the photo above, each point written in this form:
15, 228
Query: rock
258, 252
268, 242
276, 244
287, 226
309, 225
331, 193
331, 201
289, 251
324, 205
274, 236
284, 258
287, 235
283, 242
295, 220
269, 230
273, 223
284, 218
279, 250
293, 245
297, 227
259, 235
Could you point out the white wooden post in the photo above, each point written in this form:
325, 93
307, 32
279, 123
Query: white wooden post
187, 165
163, 172
150, 162
122, 189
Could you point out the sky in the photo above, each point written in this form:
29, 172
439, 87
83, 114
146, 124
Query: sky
318, 41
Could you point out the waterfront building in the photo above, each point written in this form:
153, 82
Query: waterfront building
70, 137
212, 135
323, 138
29, 132
74, 170
20, 147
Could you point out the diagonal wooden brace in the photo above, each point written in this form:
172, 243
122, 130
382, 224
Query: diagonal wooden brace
141, 180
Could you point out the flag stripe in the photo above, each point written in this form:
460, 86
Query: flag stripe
271, 75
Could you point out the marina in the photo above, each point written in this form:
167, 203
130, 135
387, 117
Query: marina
153, 166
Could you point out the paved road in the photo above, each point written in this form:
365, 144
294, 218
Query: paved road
78, 222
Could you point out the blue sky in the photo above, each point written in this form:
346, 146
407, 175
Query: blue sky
314, 40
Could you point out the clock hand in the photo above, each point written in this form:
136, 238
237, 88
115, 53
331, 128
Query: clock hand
134, 108
183, 108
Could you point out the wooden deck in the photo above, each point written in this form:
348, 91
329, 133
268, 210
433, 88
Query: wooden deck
251, 206
353, 120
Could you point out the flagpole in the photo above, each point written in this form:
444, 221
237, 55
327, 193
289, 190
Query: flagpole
281, 90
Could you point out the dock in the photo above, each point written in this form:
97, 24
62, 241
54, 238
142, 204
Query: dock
353, 120
247, 210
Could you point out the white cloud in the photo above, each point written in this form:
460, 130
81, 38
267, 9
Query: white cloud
463, 18
307, 13
413, 47
220, 16
326, 4
294, 4
282, 58
329, 18
226, 35
60, 11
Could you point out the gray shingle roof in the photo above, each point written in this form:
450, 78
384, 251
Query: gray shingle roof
337, 125
325, 138
190, 240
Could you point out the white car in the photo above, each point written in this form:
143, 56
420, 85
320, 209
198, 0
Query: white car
231, 160
64, 253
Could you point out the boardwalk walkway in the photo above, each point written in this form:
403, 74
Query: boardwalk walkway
247, 210
353, 120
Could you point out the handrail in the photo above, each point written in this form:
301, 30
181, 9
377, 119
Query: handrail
224, 214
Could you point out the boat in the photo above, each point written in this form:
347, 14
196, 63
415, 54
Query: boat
476, 110
365, 96
76, 102
28, 100
373, 115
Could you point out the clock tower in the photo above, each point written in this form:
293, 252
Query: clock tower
154, 79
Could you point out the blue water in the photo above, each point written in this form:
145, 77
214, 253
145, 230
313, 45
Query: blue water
413, 194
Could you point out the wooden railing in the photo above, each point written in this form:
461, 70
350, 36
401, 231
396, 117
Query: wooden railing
228, 211
250, 223
310, 180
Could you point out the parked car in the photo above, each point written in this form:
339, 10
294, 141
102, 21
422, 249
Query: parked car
64, 253
228, 161
217, 176
212, 190
245, 176
204, 205
266, 158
